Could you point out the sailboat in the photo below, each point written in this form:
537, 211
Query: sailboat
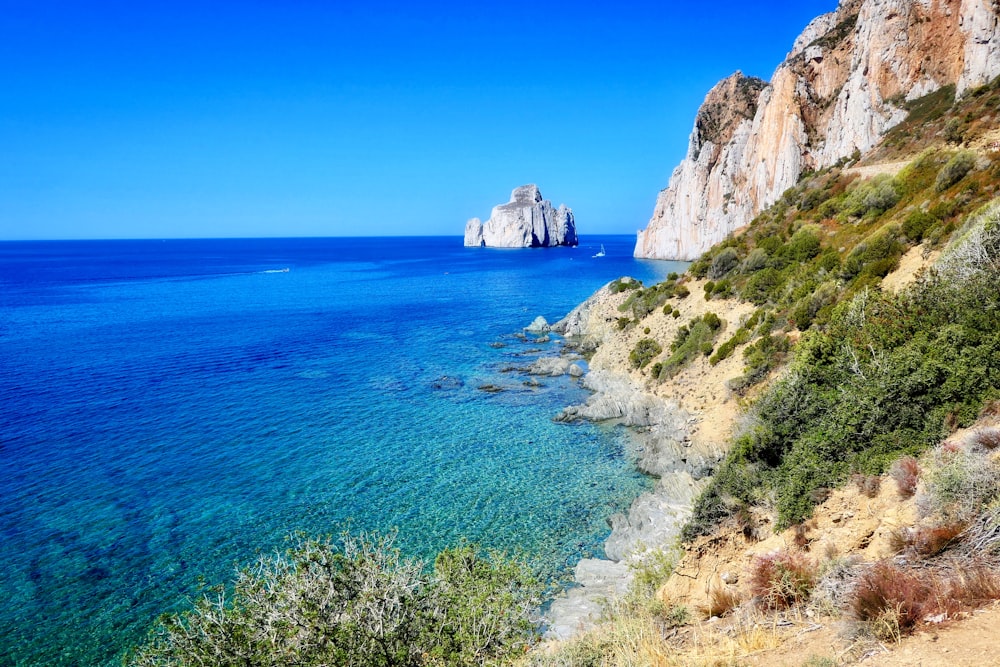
602, 253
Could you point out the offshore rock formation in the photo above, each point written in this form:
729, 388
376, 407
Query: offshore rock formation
842, 87
526, 221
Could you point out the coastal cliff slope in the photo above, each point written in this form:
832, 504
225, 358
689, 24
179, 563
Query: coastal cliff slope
844, 84
526, 221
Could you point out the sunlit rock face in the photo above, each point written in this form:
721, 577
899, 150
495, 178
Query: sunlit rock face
526, 221
840, 90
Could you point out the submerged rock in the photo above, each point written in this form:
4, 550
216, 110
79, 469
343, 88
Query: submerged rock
526, 221
447, 382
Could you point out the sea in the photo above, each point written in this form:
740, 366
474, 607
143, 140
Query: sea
172, 409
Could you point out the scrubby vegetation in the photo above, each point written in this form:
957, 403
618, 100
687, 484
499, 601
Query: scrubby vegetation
693, 339
355, 601
887, 377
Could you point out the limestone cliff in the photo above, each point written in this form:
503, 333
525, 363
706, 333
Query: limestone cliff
840, 89
526, 221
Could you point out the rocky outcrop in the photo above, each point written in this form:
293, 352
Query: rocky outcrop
841, 88
526, 221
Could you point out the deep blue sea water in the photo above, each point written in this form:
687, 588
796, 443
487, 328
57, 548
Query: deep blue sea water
168, 409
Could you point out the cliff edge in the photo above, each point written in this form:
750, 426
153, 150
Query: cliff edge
840, 89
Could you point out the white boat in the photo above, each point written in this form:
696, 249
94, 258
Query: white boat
600, 254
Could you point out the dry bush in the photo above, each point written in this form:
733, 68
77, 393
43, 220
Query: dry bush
985, 438
836, 582
990, 408
905, 472
926, 541
899, 540
721, 601
782, 579
933, 540
801, 538
891, 601
868, 485
982, 538
958, 483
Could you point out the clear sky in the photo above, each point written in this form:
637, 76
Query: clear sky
328, 118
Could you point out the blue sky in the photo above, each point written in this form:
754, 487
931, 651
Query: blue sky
301, 118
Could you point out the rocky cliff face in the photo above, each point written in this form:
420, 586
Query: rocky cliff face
526, 221
840, 89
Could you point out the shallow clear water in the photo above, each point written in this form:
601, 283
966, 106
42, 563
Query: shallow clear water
171, 408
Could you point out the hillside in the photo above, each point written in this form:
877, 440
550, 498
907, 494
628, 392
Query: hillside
840, 358
851, 77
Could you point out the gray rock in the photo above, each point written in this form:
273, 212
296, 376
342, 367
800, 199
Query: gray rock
552, 366
538, 325
474, 233
579, 609
526, 221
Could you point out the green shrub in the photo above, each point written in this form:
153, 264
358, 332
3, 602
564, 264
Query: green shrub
722, 289
691, 340
755, 261
954, 131
355, 601
741, 336
805, 311
955, 170
624, 285
763, 286
916, 225
876, 256
723, 263
761, 358
869, 198
804, 245
681, 291
644, 301
644, 352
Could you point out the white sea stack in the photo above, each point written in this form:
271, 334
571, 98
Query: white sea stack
526, 221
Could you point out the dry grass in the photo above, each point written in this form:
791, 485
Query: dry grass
721, 601
639, 641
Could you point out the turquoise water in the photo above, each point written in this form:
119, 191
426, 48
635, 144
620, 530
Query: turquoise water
172, 408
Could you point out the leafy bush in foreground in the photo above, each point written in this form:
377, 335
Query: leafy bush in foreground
355, 602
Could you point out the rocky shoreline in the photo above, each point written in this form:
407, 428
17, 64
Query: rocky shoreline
662, 439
